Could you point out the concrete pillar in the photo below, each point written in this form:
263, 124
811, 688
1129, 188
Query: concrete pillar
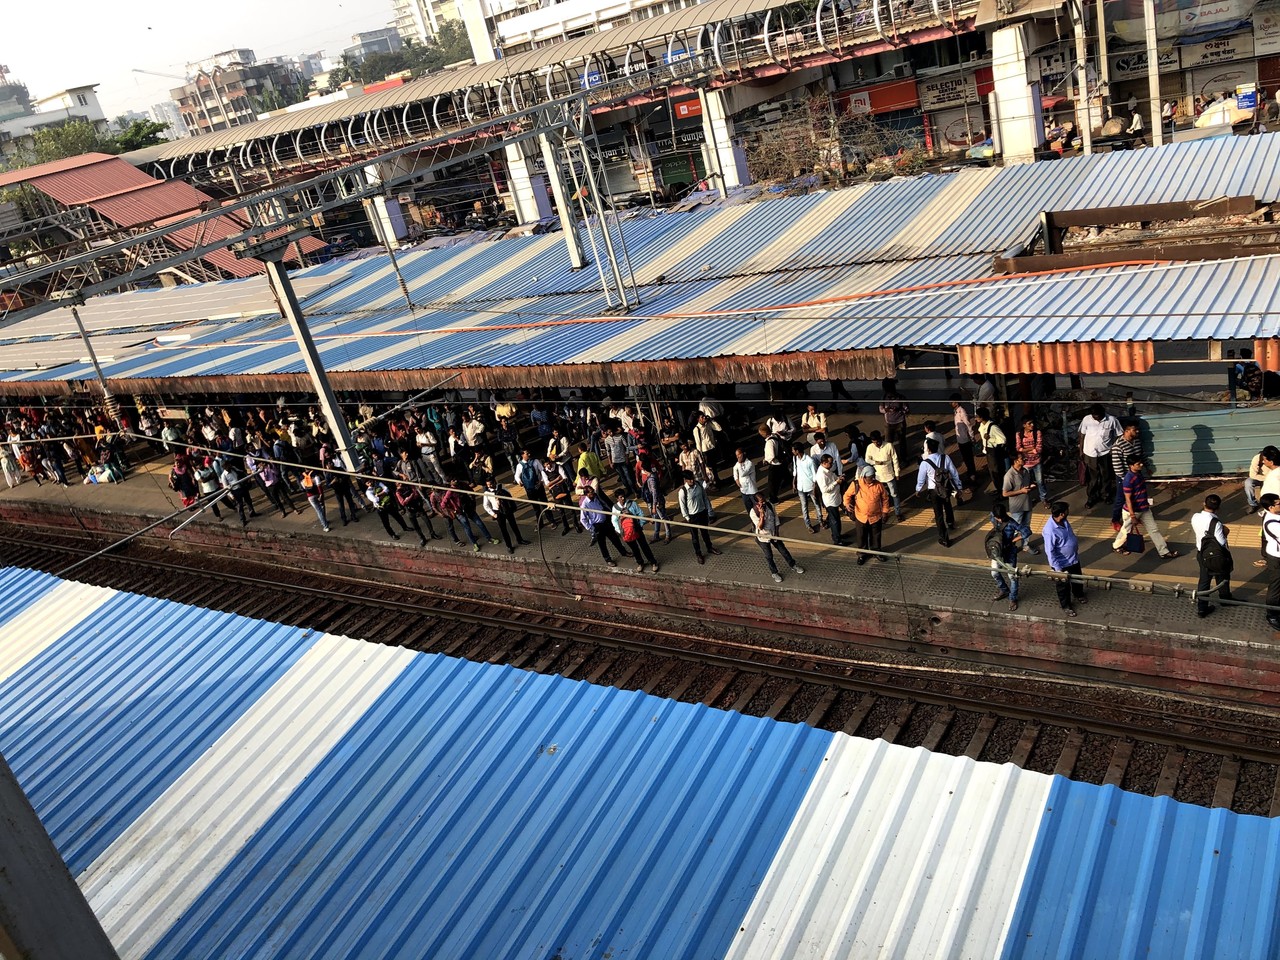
726, 158
384, 213
528, 189
1017, 99
43, 914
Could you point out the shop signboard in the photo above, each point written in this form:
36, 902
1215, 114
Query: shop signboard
1208, 82
1247, 96
688, 108
959, 129
1126, 66
1221, 50
1266, 29
1173, 20
939, 93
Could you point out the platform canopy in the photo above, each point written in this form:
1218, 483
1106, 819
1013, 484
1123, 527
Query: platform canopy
826, 285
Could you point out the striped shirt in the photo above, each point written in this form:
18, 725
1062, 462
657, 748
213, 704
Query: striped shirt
1135, 489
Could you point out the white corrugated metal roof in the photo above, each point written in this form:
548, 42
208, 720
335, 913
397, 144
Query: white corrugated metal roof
225, 787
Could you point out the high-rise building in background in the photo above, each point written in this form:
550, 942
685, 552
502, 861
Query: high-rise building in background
167, 112
420, 20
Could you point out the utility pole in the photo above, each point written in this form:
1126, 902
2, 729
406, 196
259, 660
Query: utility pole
108, 401
272, 253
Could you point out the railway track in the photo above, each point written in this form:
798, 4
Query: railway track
1191, 749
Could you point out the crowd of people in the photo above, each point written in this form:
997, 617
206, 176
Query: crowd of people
50, 446
623, 472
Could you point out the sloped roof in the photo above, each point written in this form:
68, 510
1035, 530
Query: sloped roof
221, 786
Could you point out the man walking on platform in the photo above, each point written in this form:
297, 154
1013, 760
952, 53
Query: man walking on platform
1137, 509
695, 507
994, 445
939, 474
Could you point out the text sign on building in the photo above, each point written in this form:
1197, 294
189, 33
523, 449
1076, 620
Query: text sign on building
1222, 50
1266, 29
688, 108
938, 93
1134, 64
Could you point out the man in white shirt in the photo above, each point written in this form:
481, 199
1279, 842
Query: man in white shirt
775, 450
744, 475
822, 447
1259, 469
994, 446
803, 471
964, 438
1206, 524
883, 456
827, 481
1270, 504
1098, 431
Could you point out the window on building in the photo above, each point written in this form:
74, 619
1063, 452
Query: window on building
82, 99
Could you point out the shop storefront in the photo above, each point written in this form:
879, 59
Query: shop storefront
954, 108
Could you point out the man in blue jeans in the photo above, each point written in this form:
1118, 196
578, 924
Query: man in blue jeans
1017, 487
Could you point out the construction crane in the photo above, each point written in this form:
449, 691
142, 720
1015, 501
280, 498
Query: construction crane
167, 76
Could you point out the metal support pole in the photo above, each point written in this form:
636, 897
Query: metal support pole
108, 401
1153, 72
281, 286
564, 209
1084, 114
1104, 64
43, 914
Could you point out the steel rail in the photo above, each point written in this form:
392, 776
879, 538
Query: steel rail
590, 634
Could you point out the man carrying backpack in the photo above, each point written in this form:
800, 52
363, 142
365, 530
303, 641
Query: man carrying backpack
1002, 544
940, 475
1213, 554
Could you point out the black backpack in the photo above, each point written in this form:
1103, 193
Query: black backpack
1214, 557
944, 486
994, 545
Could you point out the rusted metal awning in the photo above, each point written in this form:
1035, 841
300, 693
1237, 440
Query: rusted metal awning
1114, 356
1267, 353
874, 364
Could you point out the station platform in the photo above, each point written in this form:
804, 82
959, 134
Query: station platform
1139, 626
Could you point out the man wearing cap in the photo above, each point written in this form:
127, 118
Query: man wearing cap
867, 501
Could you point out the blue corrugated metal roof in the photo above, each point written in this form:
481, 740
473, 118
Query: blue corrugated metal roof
1119, 875
929, 230
225, 787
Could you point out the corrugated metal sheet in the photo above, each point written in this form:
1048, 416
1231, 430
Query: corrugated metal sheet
1108, 357
1267, 353
1207, 442
223, 787
78, 180
11, 178
1118, 875
150, 202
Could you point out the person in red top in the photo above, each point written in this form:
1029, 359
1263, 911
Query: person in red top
1030, 443
1137, 509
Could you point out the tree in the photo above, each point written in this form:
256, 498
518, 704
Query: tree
378, 66
71, 139
453, 41
139, 134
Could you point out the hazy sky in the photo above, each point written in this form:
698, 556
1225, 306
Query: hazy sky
55, 44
